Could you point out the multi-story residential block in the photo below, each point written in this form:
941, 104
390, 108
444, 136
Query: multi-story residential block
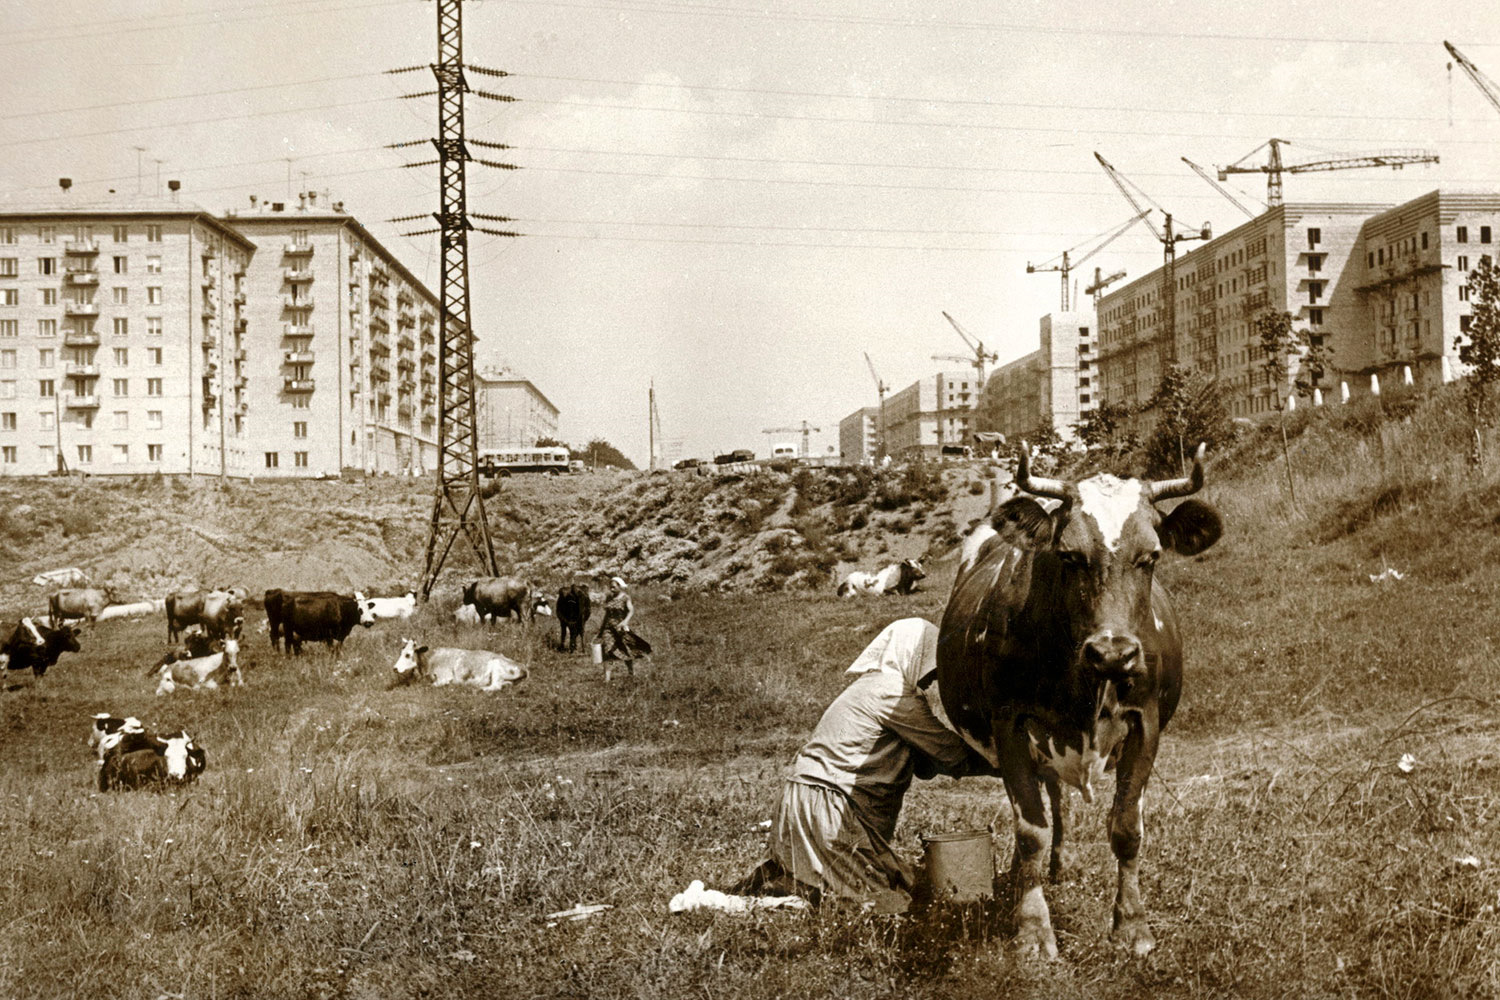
859, 437
931, 414
113, 318
511, 411
340, 366
1013, 396
1050, 388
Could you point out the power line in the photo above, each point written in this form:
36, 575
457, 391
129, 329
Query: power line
177, 24
185, 97
767, 243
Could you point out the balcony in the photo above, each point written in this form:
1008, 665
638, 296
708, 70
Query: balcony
81, 308
378, 299
405, 342
242, 409
404, 318
427, 397
241, 381
379, 324
74, 369
297, 357
240, 355
379, 372
292, 302
82, 276
297, 384
76, 248
384, 395
297, 249
209, 309
406, 365
242, 324
80, 338
239, 298
296, 275
208, 281
209, 341
77, 402
209, 399
428, 357
297, 330
428, 337
379, 349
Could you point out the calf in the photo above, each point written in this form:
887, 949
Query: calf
573, 609
202, 671
445, 665
173, 758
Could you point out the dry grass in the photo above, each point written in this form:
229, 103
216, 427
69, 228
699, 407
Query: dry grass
349, 840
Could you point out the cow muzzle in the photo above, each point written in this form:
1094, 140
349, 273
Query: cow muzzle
1111, 654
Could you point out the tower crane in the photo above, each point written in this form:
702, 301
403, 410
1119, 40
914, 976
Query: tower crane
1169, 237
1489, 88
880, 388
1101, 283
807, 430
981, 356
1273, 168
1219, 188
1068, 264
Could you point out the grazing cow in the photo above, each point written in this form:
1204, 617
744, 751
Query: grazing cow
78, 602
216, 610
35, 646
202, 671
503, 596
319, 617
573, 608
445, 665
1059, 657
109, 731
897, 578
173, 757
276, 600
390, 607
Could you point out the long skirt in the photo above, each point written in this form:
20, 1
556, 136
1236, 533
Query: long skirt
820, 839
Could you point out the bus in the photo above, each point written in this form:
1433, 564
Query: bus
505, 461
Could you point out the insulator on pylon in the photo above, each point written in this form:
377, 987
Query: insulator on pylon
485, 70
489, 145
420, 163
409, 218
491, 218
404, 69
495, 232
493, 97
407, 145
497, 166
422, 232
424, 93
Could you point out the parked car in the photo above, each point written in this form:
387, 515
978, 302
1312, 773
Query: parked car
738, 455
688, 463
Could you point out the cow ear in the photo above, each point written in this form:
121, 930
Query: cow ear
420, 649
1190, 528
1023, 522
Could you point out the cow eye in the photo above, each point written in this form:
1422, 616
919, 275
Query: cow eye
1149, 559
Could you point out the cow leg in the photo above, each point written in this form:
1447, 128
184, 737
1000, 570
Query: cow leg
1126, 828
1034, 934
1056, 799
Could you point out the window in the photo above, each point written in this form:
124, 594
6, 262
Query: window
122, 356
46, 265
85, 454
153, 387
121, 265
1314, 291
1463, 265
122, 326
46, 328
8, 358
1463, 293
153, 453
45, 388
302, 403
121, 296
273, 459
8, 267
44, 419
154, 354
153, 326
1370, 259
10, 297
299, 459
7, 235
121, 454
44, 452
1314, 237
48, 296
299, 429
45, 357
153, 265
122, 387
1461, 234
10, 328
45, 234
7, 421
1315, 317
153, 295
1424, 241
122, 234
1484, 234
153, 420
122, 420
9, 454
299, 237
1463, 323
153, 234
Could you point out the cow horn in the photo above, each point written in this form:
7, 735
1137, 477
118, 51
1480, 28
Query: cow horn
1036, 484
1166, 489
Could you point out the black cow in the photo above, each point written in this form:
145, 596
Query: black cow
274, 603
573, 608
317, 617
1059, 657
36, 646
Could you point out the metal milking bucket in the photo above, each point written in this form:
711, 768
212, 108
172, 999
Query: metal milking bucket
960, 865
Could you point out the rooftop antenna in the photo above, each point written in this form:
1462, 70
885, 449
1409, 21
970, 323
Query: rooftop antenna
138, 151
158, 174
288, 160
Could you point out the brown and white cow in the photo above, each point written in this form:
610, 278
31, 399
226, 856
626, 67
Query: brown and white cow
1059, 657
219, 612
201, 671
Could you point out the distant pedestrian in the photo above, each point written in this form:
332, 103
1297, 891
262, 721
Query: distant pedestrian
614, 634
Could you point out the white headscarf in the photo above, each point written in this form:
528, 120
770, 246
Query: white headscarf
619, 583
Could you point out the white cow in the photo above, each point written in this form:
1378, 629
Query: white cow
202, 671
446, 665
389, 607
897, 578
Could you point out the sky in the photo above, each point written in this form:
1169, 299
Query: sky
735, 200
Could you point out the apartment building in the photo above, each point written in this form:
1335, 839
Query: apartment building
859, 437
1292, 258
112, 318
511, 411
932, 413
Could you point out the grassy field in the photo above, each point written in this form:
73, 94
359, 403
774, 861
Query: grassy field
353, 841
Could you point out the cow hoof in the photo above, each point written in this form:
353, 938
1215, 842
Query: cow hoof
1036, 942
1134, 935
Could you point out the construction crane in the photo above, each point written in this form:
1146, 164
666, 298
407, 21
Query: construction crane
980, 358
1489, 88
807, 430
1069, 264
1169, 237
880, 388
1273, 168
1101, 283
1219, 188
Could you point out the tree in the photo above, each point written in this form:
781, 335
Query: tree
600, 452
1190, 408
1479, 349
1101, 429
1280, 343
549, 442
